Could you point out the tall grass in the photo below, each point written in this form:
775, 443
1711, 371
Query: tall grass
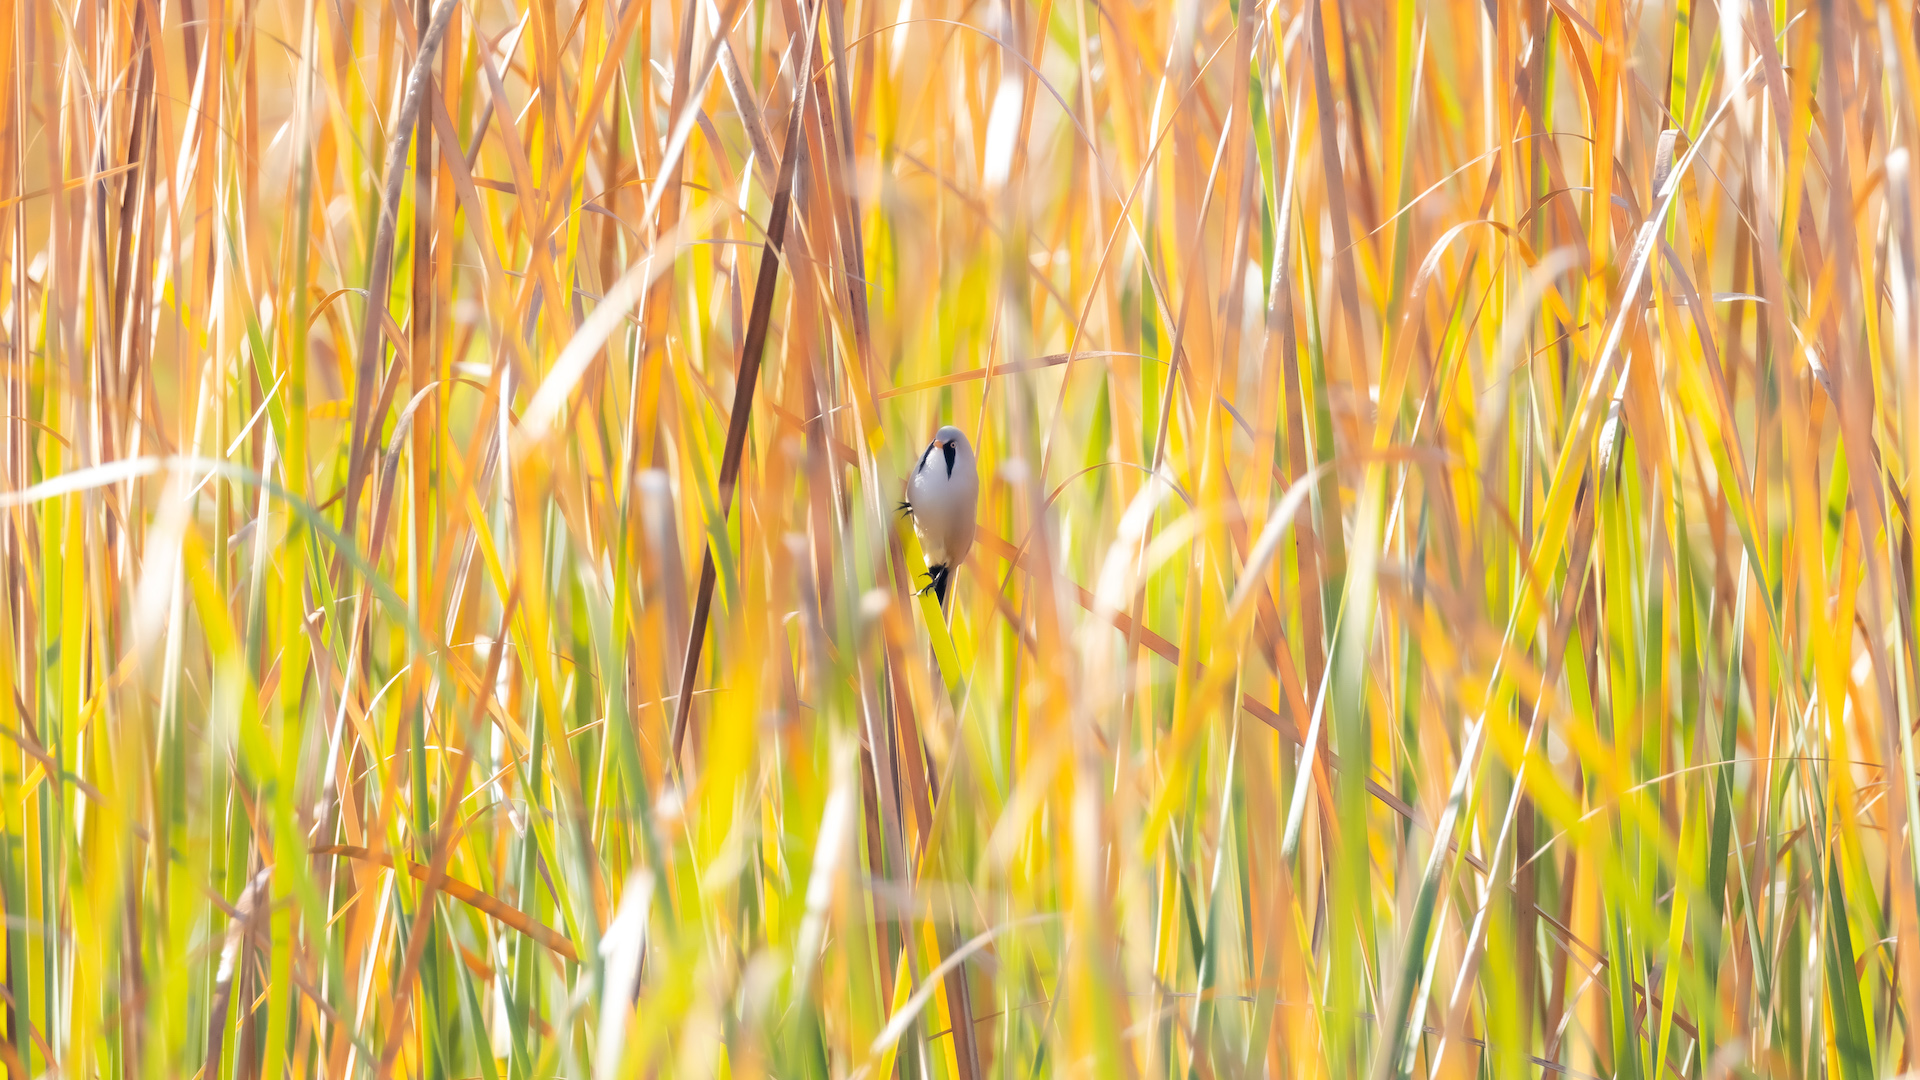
1444, 599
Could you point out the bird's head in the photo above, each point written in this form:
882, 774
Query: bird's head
951, 436
949, 448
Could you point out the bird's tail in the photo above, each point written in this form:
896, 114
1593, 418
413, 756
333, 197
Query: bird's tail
937, 580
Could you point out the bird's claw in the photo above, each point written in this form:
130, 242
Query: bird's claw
937, 579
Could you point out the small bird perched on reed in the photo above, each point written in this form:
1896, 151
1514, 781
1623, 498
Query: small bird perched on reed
940, 496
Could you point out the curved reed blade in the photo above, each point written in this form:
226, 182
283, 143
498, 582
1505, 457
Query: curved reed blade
748, 379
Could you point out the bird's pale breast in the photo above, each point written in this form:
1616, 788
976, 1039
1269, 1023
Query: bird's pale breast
942, 512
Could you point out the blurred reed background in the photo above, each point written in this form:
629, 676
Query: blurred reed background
1443, 606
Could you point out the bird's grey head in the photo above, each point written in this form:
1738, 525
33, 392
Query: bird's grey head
952, 436
949, 447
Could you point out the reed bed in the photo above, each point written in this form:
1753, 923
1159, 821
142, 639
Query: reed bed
1444, 597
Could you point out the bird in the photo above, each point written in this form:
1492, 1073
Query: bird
940, 499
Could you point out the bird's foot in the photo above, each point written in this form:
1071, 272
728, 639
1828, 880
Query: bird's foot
937, 578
